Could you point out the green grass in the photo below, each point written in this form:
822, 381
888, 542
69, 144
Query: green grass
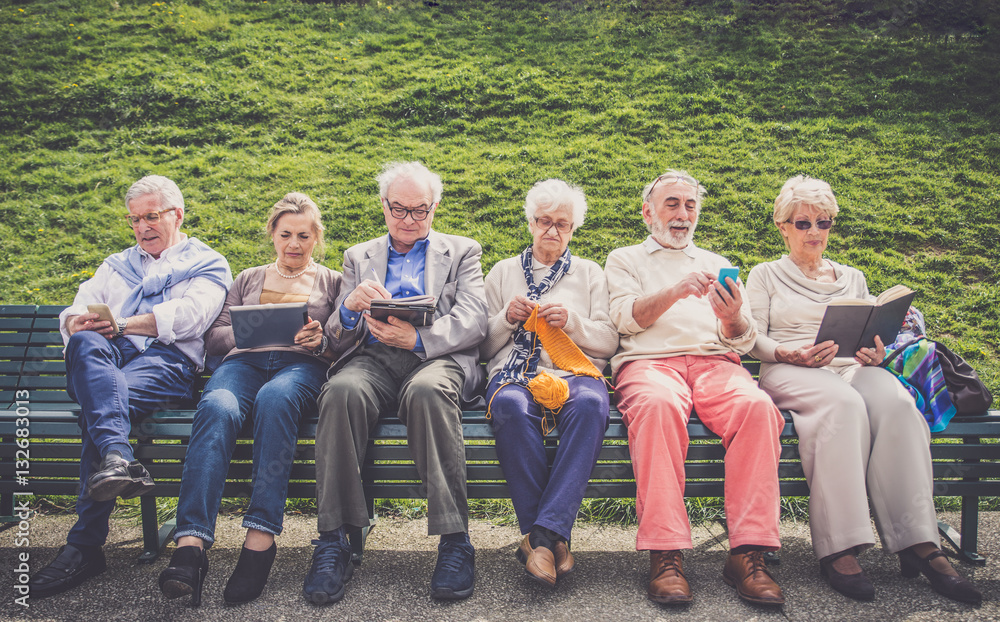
896, 104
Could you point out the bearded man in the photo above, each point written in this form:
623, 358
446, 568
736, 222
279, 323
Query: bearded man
682, 333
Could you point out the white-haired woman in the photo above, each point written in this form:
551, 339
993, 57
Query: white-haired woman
860, 433
570, 294
275, 386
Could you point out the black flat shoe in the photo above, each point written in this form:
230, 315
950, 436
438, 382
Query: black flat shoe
955, 588
185, 574
118, 477
250, 575
70, 568
856, 586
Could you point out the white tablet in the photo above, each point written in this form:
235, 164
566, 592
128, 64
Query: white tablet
258, 326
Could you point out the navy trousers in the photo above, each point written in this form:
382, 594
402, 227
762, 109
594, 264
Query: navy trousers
542, 496
114, 384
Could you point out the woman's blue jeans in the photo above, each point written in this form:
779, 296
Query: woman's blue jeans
275, 389
542, 496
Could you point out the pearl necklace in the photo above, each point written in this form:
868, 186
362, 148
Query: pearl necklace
292, 276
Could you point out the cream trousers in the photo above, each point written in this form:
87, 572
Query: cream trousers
860, 436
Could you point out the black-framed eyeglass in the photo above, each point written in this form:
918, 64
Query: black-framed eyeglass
806, 225
547, 223
418, 213
151, 218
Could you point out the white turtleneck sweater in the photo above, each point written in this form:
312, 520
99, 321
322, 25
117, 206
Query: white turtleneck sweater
788, 306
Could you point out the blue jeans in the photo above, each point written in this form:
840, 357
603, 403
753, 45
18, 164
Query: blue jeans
275, 389
114, 384
546, 497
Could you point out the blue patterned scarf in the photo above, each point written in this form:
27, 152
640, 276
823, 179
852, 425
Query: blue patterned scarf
522, 362
916, 366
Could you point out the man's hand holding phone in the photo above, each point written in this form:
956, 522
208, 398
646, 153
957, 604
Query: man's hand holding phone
98, 319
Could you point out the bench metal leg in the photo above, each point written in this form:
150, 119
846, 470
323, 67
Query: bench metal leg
358, 537
7, 518
965, 543
151, 543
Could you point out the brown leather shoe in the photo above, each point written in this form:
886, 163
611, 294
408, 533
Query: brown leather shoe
748, 574
565, 563
667, 584
539, 563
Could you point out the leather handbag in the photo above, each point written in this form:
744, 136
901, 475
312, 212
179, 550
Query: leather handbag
968, 393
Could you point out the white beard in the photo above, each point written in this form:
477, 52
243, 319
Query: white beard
670, 239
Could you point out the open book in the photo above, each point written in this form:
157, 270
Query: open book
417, 310
853, 323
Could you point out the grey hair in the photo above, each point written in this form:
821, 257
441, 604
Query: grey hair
802, 190
553, 194
164, 188
699, 195
297, 203
414, 171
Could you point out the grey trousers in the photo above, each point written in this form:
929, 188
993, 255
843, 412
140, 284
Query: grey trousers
860, 436
428, 394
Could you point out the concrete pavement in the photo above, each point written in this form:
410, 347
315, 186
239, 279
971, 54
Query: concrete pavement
393, 582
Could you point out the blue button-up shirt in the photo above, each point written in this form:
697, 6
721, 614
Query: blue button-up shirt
404, 277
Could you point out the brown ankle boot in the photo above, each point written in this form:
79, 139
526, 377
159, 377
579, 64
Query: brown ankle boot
667, 584
748, 574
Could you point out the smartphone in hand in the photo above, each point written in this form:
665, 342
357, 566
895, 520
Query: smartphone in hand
732, 273
104, 311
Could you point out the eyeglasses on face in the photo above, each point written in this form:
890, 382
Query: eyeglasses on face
418, 213
562, 226
805, 225
151, 218
673, 179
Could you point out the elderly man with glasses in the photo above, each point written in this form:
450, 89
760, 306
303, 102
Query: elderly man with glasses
682, 332
133, 340
428, 371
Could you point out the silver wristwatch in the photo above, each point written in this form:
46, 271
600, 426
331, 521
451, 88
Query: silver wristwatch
122, 323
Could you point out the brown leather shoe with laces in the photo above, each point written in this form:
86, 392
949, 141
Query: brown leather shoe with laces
667, 584
749, 575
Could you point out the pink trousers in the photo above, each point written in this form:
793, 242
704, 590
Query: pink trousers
655, 398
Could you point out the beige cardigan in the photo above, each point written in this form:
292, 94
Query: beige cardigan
582, 290
246, 290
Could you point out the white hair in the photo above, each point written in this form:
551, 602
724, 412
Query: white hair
802, 190
554, 194
414, 171
699, 195
164, 188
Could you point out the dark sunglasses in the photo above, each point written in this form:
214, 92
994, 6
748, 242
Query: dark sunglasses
805, 225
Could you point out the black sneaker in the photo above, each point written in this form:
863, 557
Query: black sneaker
330, 571
454, 574
69, 569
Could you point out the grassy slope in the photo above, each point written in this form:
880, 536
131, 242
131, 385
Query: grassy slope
243, 101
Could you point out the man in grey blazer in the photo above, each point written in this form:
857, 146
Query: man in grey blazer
427, 371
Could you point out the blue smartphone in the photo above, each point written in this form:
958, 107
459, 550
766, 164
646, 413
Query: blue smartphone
732, 273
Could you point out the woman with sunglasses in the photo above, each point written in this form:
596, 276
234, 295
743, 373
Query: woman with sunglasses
860, 433
547, 285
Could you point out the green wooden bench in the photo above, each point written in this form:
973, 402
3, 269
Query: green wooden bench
32, 378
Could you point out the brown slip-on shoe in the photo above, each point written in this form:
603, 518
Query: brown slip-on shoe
539, 563
748, 574
667, 584
565, 563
